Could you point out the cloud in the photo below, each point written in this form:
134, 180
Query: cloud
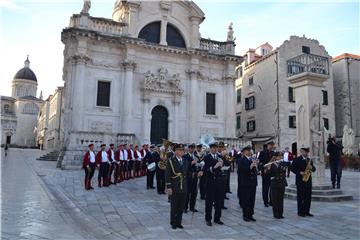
9, 4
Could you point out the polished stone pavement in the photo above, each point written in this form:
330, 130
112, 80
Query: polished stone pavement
42, 202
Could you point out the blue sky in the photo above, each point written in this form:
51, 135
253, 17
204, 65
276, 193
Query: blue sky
34, 26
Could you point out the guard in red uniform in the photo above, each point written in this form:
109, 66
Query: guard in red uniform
118, 177
103, 163
143, 152
137, 156
130, 169
112, 166
89, 165
126, 162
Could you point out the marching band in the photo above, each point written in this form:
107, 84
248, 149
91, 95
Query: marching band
206, 167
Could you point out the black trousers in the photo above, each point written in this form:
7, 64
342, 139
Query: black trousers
202, 186
177, 204
266, 189
116, 169
239, 194
277, 200
192, 192
103, 173
214, 197
227, 189
304, 197
336, 171
160, 180
130, 167
248, 194
89, 172
150, 179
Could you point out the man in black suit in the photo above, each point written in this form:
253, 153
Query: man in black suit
192, 178
247, 169
176, 183
150, 158
264, 158
304, 188
215, 185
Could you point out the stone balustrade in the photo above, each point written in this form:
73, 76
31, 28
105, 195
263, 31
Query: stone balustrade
213, 46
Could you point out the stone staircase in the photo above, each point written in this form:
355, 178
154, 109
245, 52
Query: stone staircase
51, 156
320, 193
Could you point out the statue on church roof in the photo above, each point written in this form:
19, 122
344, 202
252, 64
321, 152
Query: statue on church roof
86, 7
230, 35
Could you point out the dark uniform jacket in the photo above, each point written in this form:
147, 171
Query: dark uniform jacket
149, 158
334, 151
156, 158
210, 172
175, 175
248, 177
299, 165
192, 169
264, 157
278, 175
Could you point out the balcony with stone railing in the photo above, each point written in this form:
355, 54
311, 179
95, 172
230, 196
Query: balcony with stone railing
103, 25
308, 63
216, 47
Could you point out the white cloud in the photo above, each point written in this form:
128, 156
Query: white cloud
9, 4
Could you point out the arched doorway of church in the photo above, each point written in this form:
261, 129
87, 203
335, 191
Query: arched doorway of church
159, 124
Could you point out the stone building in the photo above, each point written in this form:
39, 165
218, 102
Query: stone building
265, 102
346, 74
144, 75
50, 131
19, 112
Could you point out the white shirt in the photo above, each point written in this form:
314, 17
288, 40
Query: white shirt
104, 156
121, 155
92, 157
132, 154
179, 159
112, 155
286, 156
139, 155
125, 155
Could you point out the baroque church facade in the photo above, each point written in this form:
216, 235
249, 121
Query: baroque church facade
145, 75
19, 112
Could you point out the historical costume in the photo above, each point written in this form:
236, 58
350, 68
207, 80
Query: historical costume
118, 162
176, 183
111, 156
103, 163
288, 158
202, 181
89, 165
303, 167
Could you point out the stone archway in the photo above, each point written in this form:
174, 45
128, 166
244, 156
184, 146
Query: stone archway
159, 124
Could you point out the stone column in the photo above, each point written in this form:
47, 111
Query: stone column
195, 33
163, 27
146, 119
129, 67
193, 108
308, 87
175, 122
230, 107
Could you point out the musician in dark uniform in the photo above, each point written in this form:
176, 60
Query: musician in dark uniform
160, 173
192, 178
277, 170
89, 165
238, 158
149, 158
247, 168
176, 184
202, 180
264, 158
215, 185
304, 188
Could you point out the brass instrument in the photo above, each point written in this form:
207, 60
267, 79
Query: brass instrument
307, 172
162, 162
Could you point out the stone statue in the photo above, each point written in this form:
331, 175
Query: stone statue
348, 140
86, 7
317, 142
230, 34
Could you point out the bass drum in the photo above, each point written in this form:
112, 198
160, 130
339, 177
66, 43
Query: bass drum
151, 167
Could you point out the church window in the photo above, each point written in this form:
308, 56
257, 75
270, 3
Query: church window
306, 49
103, 94
238, 95
173, 37
6, 108
210, 103
151, 32
250, 103
291, 94
292, 121
238, 121
30, 108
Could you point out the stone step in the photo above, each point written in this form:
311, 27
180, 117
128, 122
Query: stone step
318, 192
323, 198
51, 156
315, 187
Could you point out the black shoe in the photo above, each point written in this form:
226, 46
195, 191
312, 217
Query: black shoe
91, 188
333, 186
229, 192
309, 214
202, 198
338, 186
224, 208
180, 226
270, 204
219, 222
152, 187
266, 205
281, 216
194, 210
246, 219
185, 210
173, 226
301, 215
226, 198
209, 223
252, 219
277, 217
147, 188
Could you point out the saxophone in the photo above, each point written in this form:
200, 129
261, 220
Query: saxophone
307, 172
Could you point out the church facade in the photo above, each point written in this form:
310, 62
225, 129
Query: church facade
145, 75
20, 111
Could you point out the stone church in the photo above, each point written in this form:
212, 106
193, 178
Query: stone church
19, 112
144, 75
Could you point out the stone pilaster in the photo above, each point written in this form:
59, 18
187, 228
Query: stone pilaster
129, 67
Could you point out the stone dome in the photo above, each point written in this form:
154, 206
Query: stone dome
26, 72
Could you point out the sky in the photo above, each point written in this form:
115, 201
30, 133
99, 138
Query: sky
33, 27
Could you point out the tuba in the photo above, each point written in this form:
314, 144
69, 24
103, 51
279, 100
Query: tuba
162, 162
206, 140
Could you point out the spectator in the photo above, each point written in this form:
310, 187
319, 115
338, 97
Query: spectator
334, 149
